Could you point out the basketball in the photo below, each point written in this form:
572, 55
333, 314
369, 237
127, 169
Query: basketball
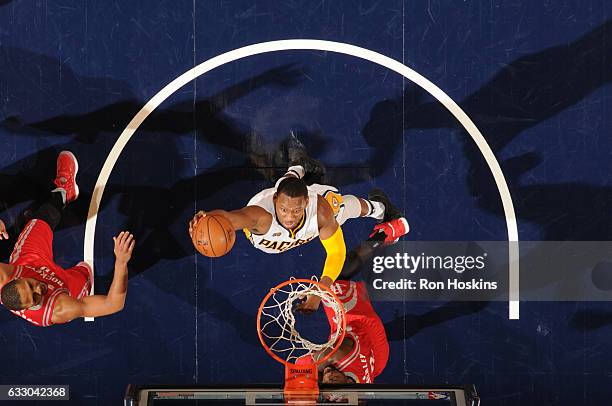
213, 235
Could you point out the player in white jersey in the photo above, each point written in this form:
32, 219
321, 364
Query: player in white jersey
292, 214
282, 236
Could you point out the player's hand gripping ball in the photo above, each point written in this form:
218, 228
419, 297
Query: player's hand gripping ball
212, 235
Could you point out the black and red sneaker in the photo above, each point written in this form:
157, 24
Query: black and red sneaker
391, 212
390, 231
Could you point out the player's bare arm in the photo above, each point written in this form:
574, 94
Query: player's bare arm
68, 308
3, 233
332, 239
331, 236
253, 218
5, 269
5, 273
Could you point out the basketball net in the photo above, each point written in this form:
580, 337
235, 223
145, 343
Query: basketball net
280, 338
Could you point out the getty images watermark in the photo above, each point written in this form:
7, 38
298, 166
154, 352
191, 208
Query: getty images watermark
457, 264
479, 271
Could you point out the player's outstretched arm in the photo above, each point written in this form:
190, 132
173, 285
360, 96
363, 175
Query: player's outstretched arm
68, 308
332, 239
249, 217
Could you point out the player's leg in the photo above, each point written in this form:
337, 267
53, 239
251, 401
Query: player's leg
357, 256
300, 164
377, 206
297, 155
66, 190
296, 171
35, 242
385, 233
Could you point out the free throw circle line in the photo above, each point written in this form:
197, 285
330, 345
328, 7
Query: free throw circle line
330, 46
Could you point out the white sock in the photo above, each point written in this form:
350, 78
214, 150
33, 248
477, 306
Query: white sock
294, 171
377, 210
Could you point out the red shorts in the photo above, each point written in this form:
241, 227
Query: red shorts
34, 245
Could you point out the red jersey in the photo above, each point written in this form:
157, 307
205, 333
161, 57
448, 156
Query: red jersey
33, 258
370, 352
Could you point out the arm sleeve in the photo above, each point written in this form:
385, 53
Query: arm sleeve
336, 254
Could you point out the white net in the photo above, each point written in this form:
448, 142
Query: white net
278, 321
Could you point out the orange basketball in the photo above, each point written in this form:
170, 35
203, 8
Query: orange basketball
213, 235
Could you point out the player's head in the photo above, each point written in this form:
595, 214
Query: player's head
333, 375
23, 293
290, 200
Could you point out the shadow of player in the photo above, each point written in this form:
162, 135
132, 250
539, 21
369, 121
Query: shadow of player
408, 325
149, 210
591, 319
521, 95
157, 215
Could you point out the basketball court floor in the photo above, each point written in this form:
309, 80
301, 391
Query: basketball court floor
532, 76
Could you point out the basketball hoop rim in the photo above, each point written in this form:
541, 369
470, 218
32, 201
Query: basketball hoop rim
323, 287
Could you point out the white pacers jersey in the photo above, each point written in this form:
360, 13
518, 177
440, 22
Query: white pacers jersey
279, 239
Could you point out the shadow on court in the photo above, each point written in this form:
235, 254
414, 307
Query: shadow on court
156, 214
523, 94
408, 325
150, 211
591, 319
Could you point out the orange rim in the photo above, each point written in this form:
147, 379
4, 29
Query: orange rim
323, 287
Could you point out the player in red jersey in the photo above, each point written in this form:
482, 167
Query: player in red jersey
364, 352
35, 288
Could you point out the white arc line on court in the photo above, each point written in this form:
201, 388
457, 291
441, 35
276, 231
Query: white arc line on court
341, 48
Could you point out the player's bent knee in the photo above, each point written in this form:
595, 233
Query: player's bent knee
351, 210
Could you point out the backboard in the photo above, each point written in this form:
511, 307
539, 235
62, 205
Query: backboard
261, 395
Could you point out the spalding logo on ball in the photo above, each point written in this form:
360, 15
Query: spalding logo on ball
213, 235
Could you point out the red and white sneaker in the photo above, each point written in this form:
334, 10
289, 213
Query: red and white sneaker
393, 230
67, 168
